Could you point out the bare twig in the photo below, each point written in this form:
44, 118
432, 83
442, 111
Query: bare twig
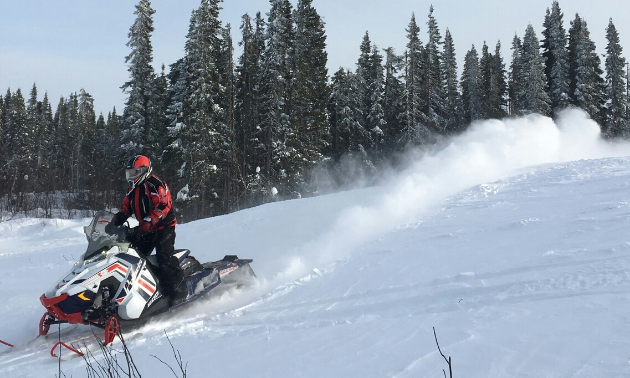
448, 360
178, 358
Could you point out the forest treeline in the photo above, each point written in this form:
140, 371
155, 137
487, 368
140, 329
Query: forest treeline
273, 124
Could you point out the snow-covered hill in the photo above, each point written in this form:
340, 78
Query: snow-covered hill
512, 241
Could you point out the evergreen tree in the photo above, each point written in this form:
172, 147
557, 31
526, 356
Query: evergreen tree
231, 180
347, 132
365, 80
247, 106
393, 100
586, 83
276, 136
498, 94
376, 115
86, 177
453, 113
615, 91
44, 136
17, 146
492, 83
515, 82
434, 90
311, 89
173, 155
157, 117
555, 54
136, 121
471, 90
200, 130
30, 135
533, 96
415, 129
485, 82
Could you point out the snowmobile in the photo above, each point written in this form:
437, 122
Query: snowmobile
113, 282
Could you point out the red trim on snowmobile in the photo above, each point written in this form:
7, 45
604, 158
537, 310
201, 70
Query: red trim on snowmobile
55, 311
61, 343
43, 326
111, 329
145, 285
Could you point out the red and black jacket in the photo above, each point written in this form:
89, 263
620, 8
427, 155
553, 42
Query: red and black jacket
150, 202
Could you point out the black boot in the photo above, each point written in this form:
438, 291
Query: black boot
178, 290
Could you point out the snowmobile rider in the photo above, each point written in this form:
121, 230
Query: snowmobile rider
149, 199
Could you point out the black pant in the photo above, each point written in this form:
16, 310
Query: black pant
164, 243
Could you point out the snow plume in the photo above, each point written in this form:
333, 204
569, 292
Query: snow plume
489, 151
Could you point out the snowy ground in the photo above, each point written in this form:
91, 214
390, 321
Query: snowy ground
513, 242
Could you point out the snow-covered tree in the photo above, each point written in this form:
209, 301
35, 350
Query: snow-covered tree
453, 112
615, 91
471, 90
492, 83
276, 136
248, 92
136, 122
393, 100
434, 92
555, 53
415, 121
586, 83
515, 81
199, 131
310, 83
533, 96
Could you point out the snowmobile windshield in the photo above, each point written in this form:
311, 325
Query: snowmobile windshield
97, 238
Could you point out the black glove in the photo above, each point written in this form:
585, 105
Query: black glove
133, 235
119, 218
110, 228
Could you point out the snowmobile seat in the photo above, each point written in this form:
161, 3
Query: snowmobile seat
181, 254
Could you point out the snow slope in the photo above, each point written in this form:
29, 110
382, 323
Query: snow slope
512, 241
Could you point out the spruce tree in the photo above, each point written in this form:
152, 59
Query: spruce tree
136, 115
44, 136
311, 88
615, 91
434, 90
276, 134
376, 116
533, 97
248, 93
87, 177
365, 80
393, 100
555, 54
492, 83
453, 113
586, 83
157, 117
498, 94
200, 132
471, 90
348, 135
515, 81
173, 155
415, 129
17, 145
485, 82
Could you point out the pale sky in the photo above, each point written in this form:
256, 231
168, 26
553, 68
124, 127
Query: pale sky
64, 46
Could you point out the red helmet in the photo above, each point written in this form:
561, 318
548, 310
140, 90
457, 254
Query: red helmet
137, 170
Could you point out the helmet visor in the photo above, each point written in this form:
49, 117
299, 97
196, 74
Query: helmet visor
134, 173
